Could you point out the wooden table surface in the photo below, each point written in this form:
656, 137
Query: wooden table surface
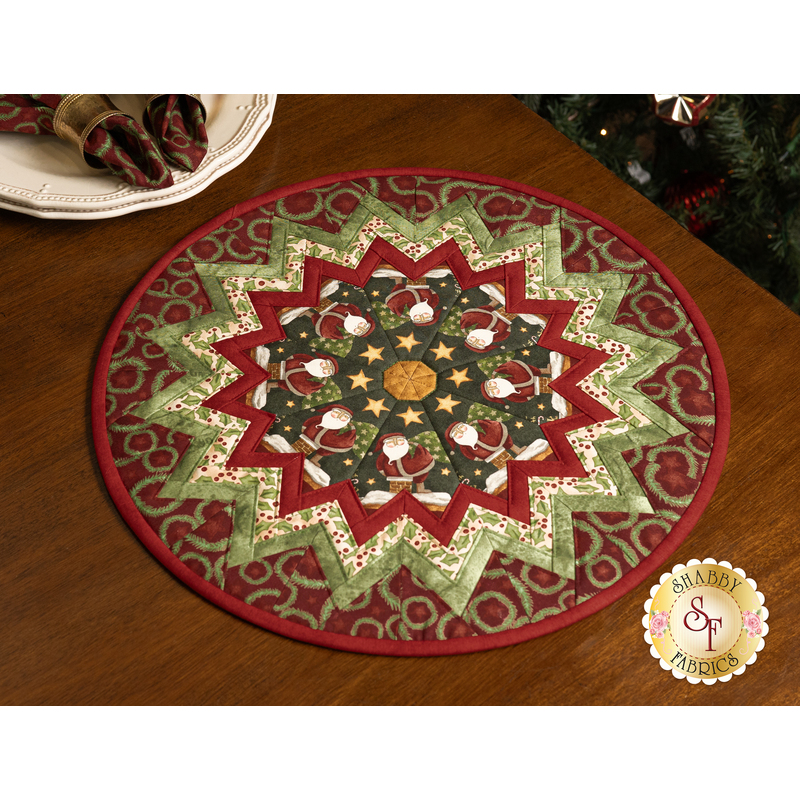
90, 617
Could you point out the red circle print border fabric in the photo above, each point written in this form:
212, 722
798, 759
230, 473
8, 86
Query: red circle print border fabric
410, 412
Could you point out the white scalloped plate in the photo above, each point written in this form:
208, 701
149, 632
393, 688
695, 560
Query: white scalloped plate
44, 177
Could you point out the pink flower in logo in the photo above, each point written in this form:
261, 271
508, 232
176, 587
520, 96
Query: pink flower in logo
752, 622
658, 624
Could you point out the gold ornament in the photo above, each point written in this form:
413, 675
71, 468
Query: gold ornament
682, 109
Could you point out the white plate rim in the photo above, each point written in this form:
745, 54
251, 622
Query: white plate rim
258, 118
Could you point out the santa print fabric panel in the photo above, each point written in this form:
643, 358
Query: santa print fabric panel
410, 413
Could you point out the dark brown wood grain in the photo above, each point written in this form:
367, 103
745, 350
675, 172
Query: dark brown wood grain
89, 617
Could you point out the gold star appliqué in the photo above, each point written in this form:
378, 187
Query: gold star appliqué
375, 406
447, 403
443, 352
373, 353
360, 381
407, 341
409, 416
459, 376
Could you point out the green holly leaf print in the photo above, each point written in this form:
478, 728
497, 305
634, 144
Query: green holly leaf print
282, 526
306, 514
450, 559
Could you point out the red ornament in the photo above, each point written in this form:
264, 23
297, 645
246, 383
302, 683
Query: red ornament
692, 196
685, 110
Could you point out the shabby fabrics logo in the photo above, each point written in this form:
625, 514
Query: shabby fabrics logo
705, 621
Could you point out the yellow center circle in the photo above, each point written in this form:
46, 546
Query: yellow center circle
409, 380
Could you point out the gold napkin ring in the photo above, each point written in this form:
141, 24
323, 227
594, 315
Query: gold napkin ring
147, 121
77, 115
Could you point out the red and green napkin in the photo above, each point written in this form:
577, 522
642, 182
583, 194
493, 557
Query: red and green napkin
178, 123
118, 142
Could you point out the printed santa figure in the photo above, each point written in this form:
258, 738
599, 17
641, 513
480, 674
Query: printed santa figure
485, 326
403, 469
486, 440
337, 320
301, 374
517, 382
416, 301
327, 433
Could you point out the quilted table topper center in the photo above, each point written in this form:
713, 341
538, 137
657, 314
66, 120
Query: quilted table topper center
410, 413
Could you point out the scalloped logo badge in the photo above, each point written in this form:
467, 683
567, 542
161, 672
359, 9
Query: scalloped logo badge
705, 621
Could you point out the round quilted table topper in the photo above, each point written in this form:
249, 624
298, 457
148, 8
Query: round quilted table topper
410, 412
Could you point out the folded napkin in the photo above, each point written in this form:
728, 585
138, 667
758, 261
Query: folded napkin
177, 121
118, 142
